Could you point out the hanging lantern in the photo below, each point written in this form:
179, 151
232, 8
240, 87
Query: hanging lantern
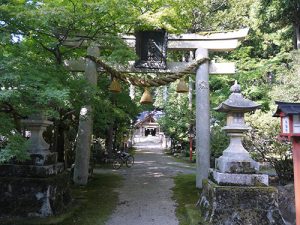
115, 86
182, 87
151, 48
146, 97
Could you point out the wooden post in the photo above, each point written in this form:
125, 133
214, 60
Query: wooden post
296, 160
202, 119
85, 127
191, 148
191, 123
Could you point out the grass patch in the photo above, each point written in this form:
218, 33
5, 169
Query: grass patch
186, 196
104, 166
98, 200
92, 204
185, 160
181, 159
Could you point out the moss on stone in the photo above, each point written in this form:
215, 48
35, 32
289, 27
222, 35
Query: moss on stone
239, 204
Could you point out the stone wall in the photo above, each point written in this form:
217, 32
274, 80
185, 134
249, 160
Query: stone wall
34, 197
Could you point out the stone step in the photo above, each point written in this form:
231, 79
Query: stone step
12, 170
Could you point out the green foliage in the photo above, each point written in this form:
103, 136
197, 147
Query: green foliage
264, 145
113, 109
16, 148
219, 141
287, 83
281, 12
177, 117
262, 141
12, 144
29, 87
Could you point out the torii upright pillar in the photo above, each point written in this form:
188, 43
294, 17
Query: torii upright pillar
202, 118
85, 127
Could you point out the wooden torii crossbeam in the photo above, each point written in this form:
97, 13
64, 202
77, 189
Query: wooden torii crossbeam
202, 45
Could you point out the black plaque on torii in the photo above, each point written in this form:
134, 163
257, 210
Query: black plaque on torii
151, 48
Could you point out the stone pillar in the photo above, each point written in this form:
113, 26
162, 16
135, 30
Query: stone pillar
190, 93
202, 119
85, 127
191, 83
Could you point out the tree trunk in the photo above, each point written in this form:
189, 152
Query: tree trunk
297, 35
60, 141
109, 140
85, 127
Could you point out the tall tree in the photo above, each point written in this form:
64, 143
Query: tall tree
282, 13
48, 25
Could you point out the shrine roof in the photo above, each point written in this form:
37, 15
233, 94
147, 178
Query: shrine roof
146, 115
288, 108
237, 102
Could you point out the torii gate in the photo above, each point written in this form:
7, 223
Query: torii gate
202, 45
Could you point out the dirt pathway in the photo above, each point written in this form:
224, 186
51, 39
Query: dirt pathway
145, 197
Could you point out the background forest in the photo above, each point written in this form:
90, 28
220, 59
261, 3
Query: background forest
33, 77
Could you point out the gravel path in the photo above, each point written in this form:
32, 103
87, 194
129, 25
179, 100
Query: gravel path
145, 197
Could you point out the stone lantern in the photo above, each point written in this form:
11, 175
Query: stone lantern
236, 158
235, 192
236, 166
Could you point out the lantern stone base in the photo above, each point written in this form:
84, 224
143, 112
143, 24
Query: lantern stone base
33, 196
12, 170
240, 179
235, 205
39, 159
232, 164
28, 189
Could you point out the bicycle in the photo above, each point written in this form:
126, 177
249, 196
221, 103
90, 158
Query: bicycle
121, 158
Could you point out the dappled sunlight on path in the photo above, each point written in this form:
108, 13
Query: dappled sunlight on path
145, 197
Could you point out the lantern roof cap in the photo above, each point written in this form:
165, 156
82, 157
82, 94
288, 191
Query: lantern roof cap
236, 102
288, 108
